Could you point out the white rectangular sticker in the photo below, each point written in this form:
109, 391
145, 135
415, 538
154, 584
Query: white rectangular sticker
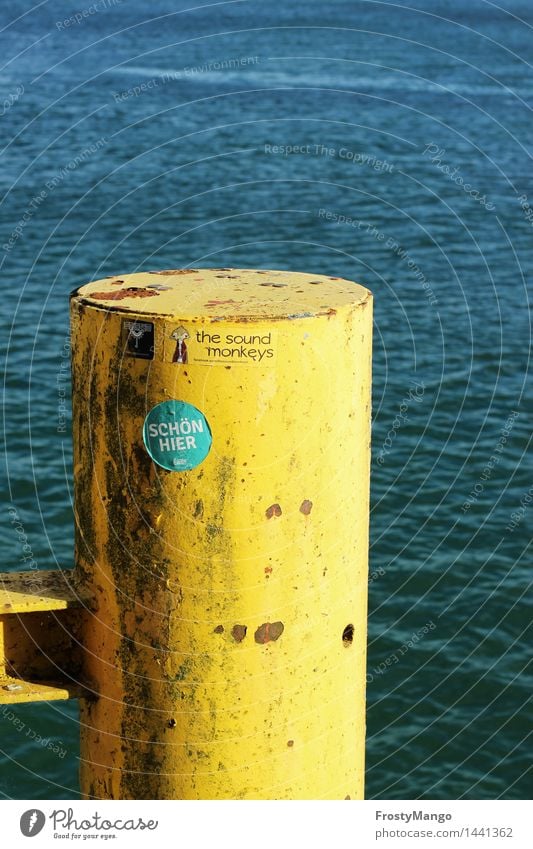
220, 346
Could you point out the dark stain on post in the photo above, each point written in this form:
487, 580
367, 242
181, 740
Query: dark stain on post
290, 743
268, 632
199, 509
273, 510
238, 632
306, 507
219, 629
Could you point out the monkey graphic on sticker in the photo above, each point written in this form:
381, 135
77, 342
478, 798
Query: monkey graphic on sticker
180, 334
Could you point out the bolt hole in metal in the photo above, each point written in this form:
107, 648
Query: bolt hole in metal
347, 636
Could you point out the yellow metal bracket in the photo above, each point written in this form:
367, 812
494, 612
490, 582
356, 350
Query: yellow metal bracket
41, 616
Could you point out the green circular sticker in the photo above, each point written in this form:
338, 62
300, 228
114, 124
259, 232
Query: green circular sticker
177, 436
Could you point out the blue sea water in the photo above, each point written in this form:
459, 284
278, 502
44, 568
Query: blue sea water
371, 140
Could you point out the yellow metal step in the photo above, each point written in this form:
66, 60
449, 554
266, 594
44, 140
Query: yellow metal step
19, 691
41, 657
29, 592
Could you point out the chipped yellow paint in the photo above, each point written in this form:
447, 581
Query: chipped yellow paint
207, 295
226, 651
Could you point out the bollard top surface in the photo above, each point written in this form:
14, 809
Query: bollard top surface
223, 293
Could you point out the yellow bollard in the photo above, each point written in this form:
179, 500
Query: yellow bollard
221, 458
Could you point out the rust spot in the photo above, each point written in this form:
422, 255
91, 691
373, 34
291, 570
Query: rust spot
172, 723
347, 797
273, 510
268, 632
238, 632
268, 570
329, 312
215, 303
290, 743
130, 292
347, 635
306, 507
199, 509
219, 629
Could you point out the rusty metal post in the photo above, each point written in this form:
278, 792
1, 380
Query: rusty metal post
221, 459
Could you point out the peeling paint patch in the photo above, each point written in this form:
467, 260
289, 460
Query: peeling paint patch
130, 292
306, 507
172, 723
268, 632
219, 629
274, 285
199, 509
273, 510
238, 632
212, 531
217, 303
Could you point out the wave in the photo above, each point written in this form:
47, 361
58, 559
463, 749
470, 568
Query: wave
256, 72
